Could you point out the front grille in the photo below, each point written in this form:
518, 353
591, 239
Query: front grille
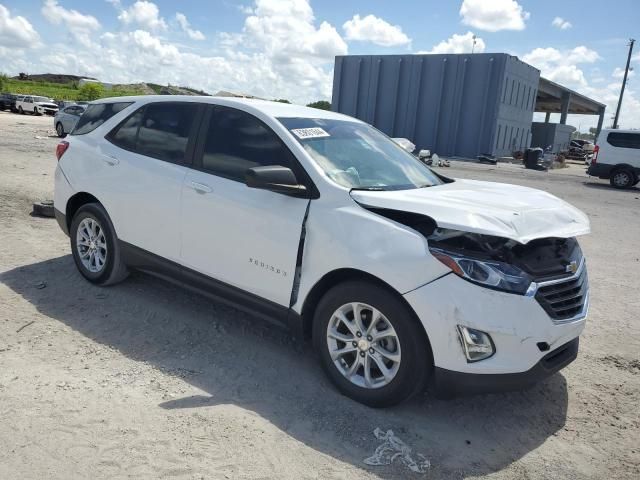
564, 299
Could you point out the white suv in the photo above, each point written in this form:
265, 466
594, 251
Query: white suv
401, 277
617, 157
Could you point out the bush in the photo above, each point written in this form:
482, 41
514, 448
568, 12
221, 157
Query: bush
3, 81
321, 104
90, 91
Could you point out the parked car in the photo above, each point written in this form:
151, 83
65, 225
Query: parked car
616, 157
400, 277
36, 105
8, 101
65, 120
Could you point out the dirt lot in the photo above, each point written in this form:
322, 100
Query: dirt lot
144, 380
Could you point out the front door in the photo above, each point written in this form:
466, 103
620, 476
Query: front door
244, 237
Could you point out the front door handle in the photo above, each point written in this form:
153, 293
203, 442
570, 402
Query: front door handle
201, 187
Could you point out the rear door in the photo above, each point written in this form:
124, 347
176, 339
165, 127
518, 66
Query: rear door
241, 236
143, 174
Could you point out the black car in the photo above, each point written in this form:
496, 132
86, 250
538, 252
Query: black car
8, 101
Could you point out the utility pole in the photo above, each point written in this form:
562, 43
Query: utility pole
473, 48
624, 83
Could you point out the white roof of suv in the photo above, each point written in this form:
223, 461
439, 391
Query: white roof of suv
272, 109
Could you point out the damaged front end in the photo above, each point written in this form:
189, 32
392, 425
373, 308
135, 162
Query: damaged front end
551, 269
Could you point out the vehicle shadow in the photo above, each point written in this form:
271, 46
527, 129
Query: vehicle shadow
606, 186
243, 361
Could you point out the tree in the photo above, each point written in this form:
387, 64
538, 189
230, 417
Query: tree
282, 100
90, 91
3, 81
321, 104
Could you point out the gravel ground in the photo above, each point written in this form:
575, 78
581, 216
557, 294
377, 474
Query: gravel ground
144, 380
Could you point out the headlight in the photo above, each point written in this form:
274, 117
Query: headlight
488, 273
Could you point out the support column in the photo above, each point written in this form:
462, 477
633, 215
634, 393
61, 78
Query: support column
547, 117
600, 121
566, 99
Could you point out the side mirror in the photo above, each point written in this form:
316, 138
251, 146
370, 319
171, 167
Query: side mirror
275, 178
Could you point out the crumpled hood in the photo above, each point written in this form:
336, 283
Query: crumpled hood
510, 211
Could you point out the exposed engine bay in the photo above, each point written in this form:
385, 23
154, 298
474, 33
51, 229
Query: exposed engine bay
542, 258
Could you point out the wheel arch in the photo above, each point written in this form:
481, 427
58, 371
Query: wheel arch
335, 277
75, 202
625, 166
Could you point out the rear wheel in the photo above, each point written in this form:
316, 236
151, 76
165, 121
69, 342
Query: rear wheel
60, 130
622, 178
370, 345
20, 110
95, 247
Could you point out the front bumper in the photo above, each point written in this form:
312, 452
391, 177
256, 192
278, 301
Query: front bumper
521, 330
448, 383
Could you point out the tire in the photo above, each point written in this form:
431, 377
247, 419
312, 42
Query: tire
60, 130
405, 340
112, 270
35, 112
622, 178
20, 110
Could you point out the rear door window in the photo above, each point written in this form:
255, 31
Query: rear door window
125, 135
165, 130
96, 114
624, 140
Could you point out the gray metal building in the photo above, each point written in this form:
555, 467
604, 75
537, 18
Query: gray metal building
453, 104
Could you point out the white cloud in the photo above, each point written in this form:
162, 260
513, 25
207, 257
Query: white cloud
459, 44
144, 14
375, 30
618, 73
561, 23
186, 27
493, 15
281, 52
81, 26
16, 32
562, 66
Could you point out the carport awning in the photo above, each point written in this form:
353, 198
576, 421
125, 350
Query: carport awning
551, 96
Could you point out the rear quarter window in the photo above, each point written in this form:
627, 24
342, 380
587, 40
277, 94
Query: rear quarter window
96, 114
624, 140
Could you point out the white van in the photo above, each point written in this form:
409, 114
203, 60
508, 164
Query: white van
616, 157
400, 277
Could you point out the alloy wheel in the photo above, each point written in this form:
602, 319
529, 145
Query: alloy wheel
91, 245
621, 179
363, 345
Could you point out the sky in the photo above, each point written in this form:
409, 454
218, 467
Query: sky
286, 48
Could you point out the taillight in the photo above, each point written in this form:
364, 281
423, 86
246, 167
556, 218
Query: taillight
61, 148
596, 149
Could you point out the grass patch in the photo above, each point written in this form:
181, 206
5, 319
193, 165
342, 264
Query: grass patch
62, 91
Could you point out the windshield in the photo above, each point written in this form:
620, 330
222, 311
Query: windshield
356, 155
41, 99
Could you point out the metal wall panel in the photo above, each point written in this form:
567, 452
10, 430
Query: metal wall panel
450, 104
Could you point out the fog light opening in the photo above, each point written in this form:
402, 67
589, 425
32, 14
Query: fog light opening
476, 344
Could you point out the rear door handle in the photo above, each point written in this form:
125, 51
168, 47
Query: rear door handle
111, 160
201, 187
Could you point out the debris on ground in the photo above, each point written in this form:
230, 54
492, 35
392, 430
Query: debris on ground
393, 449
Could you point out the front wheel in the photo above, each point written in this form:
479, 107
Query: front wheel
95, 247
370, 344
622, 178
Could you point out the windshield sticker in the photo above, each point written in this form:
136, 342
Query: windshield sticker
306, 133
